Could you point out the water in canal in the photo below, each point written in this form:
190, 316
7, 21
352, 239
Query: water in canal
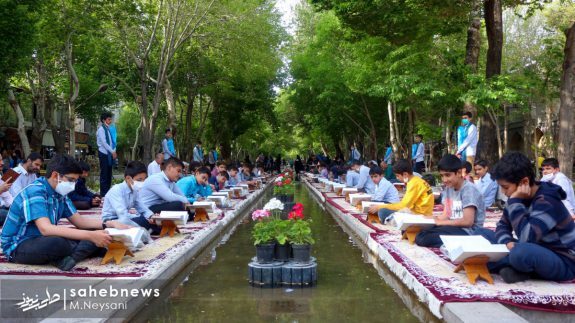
348, 289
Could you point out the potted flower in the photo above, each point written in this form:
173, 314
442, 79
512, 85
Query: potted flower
263, 234
284, 189
300, 235
275, 207
281, 232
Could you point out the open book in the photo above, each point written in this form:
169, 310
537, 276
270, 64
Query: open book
209, 206
365, 205
336, 187
179, 217
406, 220
132, 237
221, 201
348, 190
356, 198
459, 248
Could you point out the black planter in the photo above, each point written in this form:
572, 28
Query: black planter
265, 252
285, 198
288, 206
301, 252
282, 252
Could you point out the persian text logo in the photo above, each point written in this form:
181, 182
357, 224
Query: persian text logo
29, 303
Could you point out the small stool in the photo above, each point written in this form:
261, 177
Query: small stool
373, 217
411, 233
475, 267
116, 251
169, 227
201, 215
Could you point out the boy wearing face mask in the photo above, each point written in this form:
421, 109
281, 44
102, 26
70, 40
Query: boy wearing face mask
31, 234
467, 139
122, 201
552, 174
196, 187
82, 198
418, 197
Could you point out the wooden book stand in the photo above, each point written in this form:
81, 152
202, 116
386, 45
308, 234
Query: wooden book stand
116, 251
373, 217
237, 194
169, 227
411, 233
475, 267
201, 215
347, 197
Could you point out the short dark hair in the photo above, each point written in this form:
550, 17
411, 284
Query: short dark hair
402, 166
233, 168
105, 115
199, 142
356, 162
553, 162
35, 156
450, 163
175, 162
468, 114
84, 166
63, 164
224, 174
247, 165
376, 170
419, 136
168, 130
221, 162
134, 168
159, 153
482, 163
513, 167
204, 170
467, 165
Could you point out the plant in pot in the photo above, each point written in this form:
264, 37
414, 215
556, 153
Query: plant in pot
275, 207
300, 236
263, 235
284, 189
281, 232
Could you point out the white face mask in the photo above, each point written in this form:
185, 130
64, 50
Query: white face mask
548, 177
64, 188
137, 185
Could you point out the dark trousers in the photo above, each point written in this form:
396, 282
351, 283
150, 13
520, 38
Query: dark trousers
105, 173
430, 237
420, 167
3, 215
171, 206
44, 250
143, 222
82, 205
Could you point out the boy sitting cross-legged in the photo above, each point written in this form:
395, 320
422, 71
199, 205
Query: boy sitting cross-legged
463, 206
545, 243
31, 234
123, 203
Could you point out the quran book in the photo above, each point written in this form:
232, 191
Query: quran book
132, 237
365, 205
459, 248
179, 217
209, 206
406, 220
355, 198
220, 201
10, 176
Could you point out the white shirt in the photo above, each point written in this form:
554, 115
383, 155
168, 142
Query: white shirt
103, 145
6, 198
22, 181
159, 189
419, 153
118, 202
566, 184
154, 168
470, 142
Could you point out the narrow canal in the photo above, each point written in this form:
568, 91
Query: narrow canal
348, 290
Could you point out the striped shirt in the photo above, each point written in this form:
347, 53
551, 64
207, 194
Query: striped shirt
38, 200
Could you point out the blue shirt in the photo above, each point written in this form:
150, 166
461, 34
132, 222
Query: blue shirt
104, 140
365, 181
233, 181
192, 190
159, 189
245, 178
351, 178
488, 188
38, 200
118, 202
168, 148
385, 192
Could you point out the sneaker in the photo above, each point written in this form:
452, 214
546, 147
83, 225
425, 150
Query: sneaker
512, 276
66, 263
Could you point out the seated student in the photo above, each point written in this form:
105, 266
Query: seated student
418, 196
260, 171
246, 175
6, 198
351, 178
234, 178
81, 197
195, 187
384, 190
552, 174
463, 206
218, 182
220, 167
544, 246
160, 192
466, 169
155, 166
31, 234
388, 171
323, 172
364, 183
122, 201
27, 171
486, 186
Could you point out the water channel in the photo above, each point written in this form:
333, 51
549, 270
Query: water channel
348, 290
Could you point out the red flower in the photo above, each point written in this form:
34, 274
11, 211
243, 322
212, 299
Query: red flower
287, 181
298, 207
295, 215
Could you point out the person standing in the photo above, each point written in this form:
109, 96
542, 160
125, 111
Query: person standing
467, 138
198, 153
418, 154
355, 154
212, 158
106, 153
168, 147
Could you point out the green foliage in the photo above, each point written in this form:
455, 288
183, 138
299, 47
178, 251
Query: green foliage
263, 232
282, 230
300, 232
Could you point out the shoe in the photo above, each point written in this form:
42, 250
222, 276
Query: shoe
512, 276
66, 263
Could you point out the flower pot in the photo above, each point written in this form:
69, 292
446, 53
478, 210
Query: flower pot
265, 252
287, 209
285, 198
282, 252
301, 252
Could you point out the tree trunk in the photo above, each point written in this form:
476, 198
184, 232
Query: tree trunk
472, 48
392, 128
567, 107
410, 132
21, 126
39, 102
171, 104
136, 141
487, 146
73, 95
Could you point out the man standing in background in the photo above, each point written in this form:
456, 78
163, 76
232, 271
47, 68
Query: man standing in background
106, 153
168, 147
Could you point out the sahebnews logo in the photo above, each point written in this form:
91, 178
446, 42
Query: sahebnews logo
74, 298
